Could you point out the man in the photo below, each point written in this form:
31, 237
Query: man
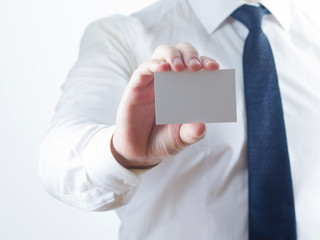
186, 181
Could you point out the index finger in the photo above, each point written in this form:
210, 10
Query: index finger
190, 56
171, 55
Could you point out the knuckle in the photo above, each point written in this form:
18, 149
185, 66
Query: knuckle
165, 51
162, 47
193, 52
172, 149
184, 43
142, 66
147, 63
141, 69
188, 49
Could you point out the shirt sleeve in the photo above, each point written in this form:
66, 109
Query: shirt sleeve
76, 164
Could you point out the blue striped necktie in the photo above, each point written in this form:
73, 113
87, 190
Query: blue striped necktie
271, 202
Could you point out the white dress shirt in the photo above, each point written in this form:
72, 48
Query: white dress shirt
201, 193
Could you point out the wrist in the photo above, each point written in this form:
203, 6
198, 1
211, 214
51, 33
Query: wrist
130, 164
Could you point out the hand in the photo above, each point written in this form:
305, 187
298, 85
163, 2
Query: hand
137, 141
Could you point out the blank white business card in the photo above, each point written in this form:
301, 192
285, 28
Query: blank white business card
204, 96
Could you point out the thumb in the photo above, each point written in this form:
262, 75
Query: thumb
192, 132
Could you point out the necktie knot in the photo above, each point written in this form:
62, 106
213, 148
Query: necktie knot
250, 16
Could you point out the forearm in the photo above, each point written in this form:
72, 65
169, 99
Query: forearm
77, 167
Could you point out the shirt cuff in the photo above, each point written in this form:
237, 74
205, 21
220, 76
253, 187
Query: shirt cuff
102, 168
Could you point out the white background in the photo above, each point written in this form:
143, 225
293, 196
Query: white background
39, 41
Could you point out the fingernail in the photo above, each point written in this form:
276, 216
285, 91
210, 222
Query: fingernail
177, 60
201, 136
211, 62
194, 61
198, 138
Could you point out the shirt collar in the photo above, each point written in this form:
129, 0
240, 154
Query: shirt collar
212, 13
